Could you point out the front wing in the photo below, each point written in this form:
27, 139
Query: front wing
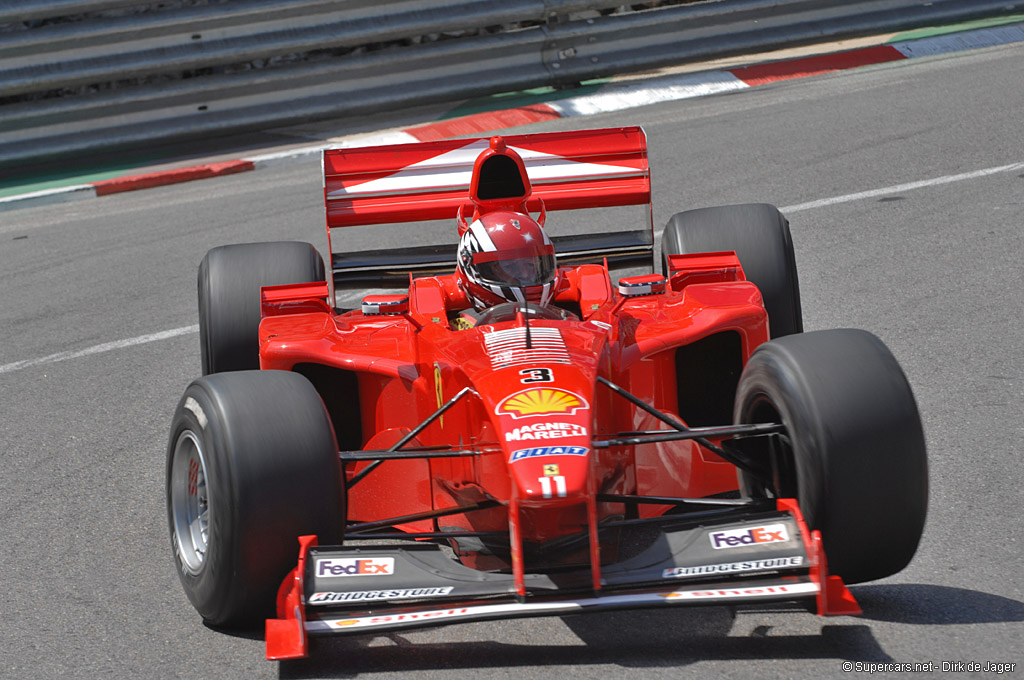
765, 558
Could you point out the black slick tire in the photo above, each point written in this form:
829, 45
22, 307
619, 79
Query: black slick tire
854, 451
759, 234
230, 278
252, 464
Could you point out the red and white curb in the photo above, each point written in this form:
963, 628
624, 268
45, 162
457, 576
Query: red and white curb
127, 183
620, 96
615, 96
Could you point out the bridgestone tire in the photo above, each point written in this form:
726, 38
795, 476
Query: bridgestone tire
854, 451
252, 464
230, 278
759, 234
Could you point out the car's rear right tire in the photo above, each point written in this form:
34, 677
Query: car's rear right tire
230, 278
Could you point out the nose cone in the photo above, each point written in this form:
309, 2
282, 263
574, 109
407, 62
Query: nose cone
545, 474
546, 432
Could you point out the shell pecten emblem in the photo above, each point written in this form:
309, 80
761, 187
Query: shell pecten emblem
541, 401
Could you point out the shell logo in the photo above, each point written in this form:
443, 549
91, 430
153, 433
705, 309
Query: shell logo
541, 401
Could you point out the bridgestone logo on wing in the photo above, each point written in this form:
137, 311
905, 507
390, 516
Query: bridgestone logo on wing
370, 595
734, 567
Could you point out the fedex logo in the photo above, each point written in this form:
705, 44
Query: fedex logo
548, 451
748, 536
348, 566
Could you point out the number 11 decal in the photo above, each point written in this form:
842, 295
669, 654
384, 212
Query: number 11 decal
559, 490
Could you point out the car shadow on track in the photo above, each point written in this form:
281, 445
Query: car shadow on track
921, 604
649, 638
631, 639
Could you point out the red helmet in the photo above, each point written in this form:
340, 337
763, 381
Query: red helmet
506, 257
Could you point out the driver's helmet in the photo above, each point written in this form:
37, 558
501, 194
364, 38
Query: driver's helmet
505, 256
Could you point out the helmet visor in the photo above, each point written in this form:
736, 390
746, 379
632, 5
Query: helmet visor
519, 272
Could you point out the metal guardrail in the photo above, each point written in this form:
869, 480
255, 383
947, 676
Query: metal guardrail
189, 72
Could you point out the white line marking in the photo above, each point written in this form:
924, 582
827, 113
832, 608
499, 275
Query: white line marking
48, 196
900, 188
97, 349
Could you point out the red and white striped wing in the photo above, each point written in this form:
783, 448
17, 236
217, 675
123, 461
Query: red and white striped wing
430, 180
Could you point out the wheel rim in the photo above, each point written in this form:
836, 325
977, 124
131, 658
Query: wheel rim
778, 449
190, 507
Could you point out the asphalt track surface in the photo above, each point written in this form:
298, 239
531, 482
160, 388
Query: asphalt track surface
97, 343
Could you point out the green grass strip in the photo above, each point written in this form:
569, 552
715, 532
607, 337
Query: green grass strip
72, 173
957, 28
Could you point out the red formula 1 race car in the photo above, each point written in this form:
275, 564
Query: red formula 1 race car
510, 437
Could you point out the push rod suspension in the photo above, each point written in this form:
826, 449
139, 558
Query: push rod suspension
419, 516
409, 437
700, 438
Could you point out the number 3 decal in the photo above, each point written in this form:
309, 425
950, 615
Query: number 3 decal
535, 375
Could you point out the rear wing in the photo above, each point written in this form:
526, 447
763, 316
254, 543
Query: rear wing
431, 181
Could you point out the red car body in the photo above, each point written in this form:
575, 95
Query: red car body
522, 427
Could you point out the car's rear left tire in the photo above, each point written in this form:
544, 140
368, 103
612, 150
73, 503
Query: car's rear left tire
252, 464
853, 452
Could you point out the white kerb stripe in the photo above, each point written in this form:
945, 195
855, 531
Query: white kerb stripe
619, 97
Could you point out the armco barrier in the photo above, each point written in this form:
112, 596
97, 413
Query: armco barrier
189, 72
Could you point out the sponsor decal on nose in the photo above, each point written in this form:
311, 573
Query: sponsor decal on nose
541, 401
541, 451
545, 431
